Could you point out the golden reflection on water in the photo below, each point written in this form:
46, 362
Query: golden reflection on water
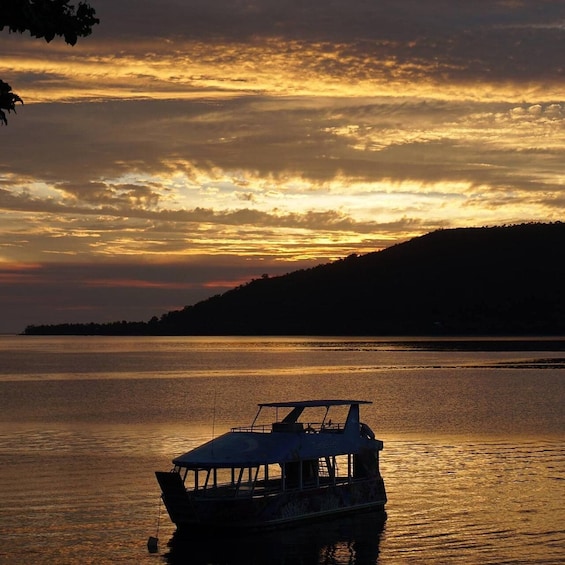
451, 500
475, 500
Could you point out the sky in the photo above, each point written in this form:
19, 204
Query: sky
189, 146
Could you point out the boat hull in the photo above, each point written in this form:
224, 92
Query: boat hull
274, 510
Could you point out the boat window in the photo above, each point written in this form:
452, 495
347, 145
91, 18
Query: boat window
207, 479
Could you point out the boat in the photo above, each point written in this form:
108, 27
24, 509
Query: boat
279, 471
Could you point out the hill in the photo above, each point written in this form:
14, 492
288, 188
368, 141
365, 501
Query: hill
507, 280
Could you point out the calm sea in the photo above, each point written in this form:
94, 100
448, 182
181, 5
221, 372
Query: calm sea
474, 458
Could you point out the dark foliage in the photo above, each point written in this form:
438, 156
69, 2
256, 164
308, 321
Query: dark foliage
7, 101
48, 18
471, 281
43, 19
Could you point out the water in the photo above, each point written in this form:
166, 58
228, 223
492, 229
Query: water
474, 459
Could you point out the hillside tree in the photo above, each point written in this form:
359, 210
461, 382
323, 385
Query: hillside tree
45, 19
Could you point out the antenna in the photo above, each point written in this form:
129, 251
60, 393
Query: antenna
214, 417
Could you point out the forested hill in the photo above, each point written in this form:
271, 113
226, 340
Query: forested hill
487, 281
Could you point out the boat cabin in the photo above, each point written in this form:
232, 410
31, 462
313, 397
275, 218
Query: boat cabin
304, 449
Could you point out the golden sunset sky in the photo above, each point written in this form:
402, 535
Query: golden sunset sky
188, 146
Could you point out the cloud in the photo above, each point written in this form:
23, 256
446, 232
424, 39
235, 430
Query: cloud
173, 161
346, 19
160, 49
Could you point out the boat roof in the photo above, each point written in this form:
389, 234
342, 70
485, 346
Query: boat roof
312, 403
245, 449
249, 447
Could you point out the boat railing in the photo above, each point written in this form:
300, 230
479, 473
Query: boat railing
296, 427
259, 428
324, 427
266, 488
330, 427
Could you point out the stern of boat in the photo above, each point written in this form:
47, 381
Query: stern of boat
175, 497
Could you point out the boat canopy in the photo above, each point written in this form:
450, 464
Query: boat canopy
313, 403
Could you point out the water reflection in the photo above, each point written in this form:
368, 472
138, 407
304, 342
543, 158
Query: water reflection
352, 540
